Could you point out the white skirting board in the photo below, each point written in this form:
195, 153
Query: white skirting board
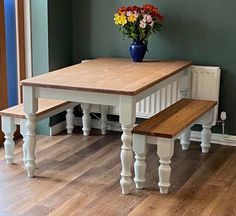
228, 140
57, 128
216, 138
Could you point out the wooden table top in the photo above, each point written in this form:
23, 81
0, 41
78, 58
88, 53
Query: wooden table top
109, 75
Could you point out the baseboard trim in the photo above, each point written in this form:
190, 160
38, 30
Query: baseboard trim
228, 140
216, 138
57, 128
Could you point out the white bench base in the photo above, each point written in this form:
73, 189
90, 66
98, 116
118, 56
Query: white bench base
165, 150
9, 126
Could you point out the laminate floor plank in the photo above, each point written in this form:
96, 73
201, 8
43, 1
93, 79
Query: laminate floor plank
177, 202
79, 176
57, 175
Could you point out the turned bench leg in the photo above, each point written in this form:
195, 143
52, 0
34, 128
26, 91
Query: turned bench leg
165, 150
70, 120
104, 110
206, 131
140, 149
185, 139
8, 128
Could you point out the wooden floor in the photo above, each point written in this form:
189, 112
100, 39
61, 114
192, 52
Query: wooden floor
79, 175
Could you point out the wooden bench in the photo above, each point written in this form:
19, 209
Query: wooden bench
162, 130
15, 116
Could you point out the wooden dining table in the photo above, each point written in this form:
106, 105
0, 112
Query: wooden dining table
104, 81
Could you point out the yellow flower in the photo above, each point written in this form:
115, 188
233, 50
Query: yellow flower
120, 19
132, 18
117, 19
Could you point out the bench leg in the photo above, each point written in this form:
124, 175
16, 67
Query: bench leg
86, 119
104, 110
165, 150
8, 128
23, 133
206, 131
140, 149
185, 139
70, 120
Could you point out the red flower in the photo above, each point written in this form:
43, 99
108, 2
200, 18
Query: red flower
146, 8
122, 9
153, 11
133, 8
160, 17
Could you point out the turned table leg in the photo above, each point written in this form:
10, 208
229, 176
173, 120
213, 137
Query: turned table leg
70, 120
86, 119
30, 109
31, 144
127, 120
104, 110
24, 146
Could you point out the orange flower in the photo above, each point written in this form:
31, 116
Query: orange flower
122, 10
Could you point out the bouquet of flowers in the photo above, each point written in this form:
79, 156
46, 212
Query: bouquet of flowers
139, 23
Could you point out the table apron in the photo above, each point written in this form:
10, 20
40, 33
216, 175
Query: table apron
161, 84
77, 96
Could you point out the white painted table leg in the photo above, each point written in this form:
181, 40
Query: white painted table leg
206, 131
30, 109
8, 128
140, 149
104, 110
23, 133
185, 139
127, 120
70, 120
126, 158
31, 144
165, 150
86, 119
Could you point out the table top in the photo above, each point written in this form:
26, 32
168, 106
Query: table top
109, 75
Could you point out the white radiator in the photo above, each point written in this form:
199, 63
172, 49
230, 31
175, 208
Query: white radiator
205, 85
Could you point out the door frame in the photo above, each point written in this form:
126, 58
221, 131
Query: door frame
20, 45
3, 67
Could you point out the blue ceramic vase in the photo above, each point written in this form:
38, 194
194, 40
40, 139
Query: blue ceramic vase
138, 50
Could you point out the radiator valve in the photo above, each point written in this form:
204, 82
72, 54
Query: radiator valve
223, 117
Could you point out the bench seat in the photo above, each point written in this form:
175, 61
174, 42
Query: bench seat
163, 128
13, 116
44, 106
174, 119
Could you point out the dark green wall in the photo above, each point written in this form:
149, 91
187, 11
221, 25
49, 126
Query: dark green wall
60, 34
52, 42
203, 31
40, 64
